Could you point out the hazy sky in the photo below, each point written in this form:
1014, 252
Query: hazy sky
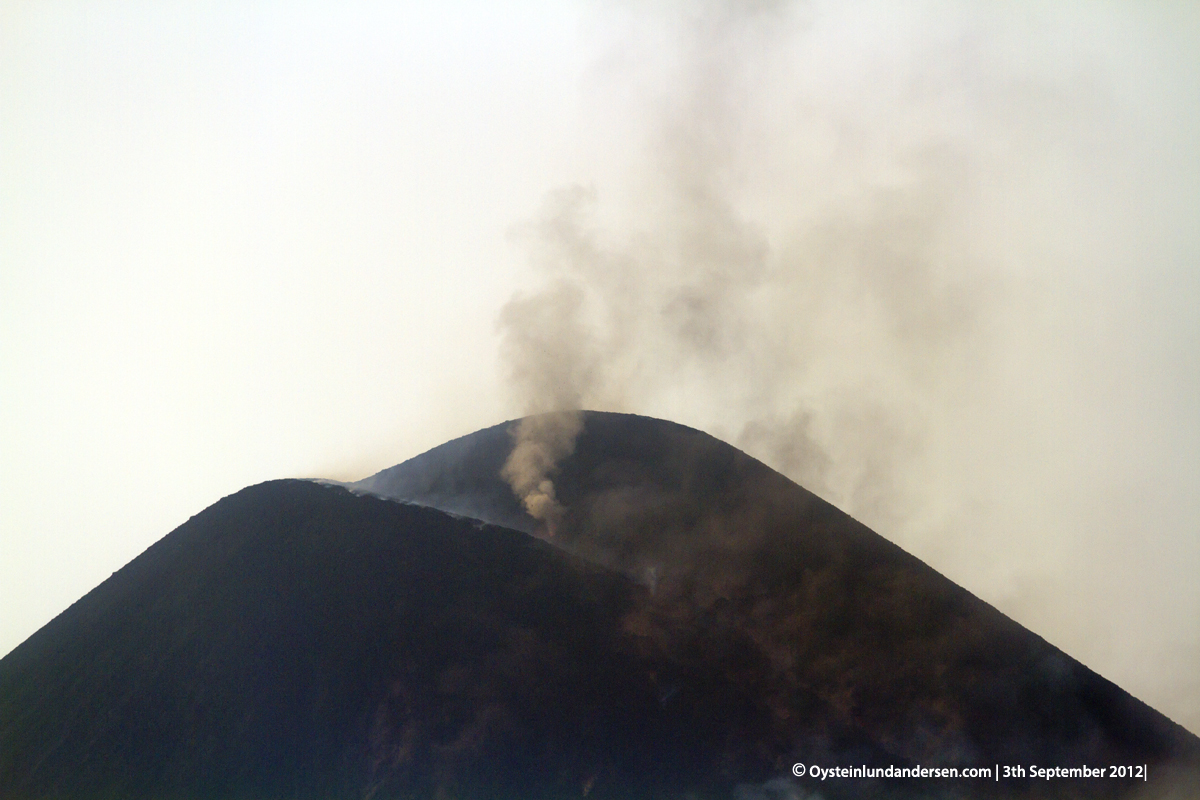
939, 262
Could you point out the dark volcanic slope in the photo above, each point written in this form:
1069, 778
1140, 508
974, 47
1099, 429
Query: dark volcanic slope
298, 640
461, 476
932, 672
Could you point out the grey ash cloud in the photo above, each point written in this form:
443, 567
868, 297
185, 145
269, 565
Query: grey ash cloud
831, 329
850, 247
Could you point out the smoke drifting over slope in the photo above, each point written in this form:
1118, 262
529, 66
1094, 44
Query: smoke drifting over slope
840, 242
871, 292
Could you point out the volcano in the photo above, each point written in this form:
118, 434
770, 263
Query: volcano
693, 625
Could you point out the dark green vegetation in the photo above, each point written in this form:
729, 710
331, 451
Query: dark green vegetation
698, 624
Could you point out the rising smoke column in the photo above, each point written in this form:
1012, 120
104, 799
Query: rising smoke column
540, 442
546, 347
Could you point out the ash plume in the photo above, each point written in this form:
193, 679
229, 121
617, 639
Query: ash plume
841, 241
540, 442
701, 298
546, 350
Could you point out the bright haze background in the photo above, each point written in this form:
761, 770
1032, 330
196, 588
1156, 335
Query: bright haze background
937, 262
